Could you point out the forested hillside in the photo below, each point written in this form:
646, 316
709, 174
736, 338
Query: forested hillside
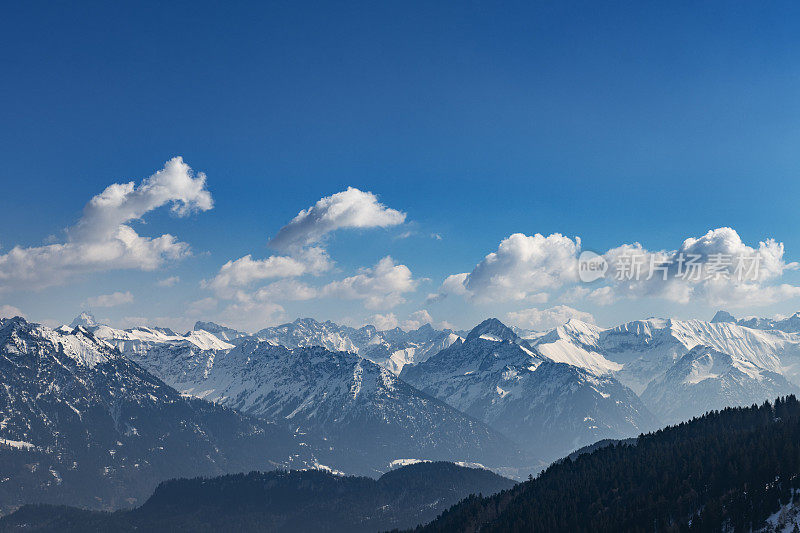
726, 470
279, 501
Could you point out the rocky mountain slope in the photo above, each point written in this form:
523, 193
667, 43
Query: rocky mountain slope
361, 416
648, 354
706, 379
553, 408
391, 348
84, 425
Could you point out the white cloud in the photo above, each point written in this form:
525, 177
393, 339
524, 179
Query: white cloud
102, 239
110, 300
602, 296
522, 267
304, 254
538, 298
120, 203
252, 316
417, 319
347, 209
384, 322
168, 282
246, 270
381, 286
688, 274
545, 319
390, 320
452, 285
286, 290
9, 311
530, 268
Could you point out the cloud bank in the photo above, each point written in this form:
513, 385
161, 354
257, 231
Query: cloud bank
103, 239
533, 268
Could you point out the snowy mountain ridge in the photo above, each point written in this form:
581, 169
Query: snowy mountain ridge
392, 349
637, 352
360, 415
83, 424
551, 406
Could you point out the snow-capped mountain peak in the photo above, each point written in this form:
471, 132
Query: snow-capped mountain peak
492, 329
514, 388
392, 349
705, 379
84, 319
142, 339
576, 343
221, 332
790, 324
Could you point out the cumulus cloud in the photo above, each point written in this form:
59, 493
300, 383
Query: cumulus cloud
390, 320
523, 267
302, 253
9, 311
110, 300
120, 203
545, 319
384, 322
381, 286
290, 290
103, 239
352, 208
417, 319
251, 315
717, 268
168, 282
246, 270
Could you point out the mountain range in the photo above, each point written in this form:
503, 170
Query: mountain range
360, 415
83, 425
650, 357
552, 407
115, 411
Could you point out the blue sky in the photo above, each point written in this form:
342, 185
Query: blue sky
615, 123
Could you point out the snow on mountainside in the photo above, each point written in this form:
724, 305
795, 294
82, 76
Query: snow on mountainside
84, 319
640, 351
553, 408
221, 332
651, 356
140, 340
360, 413
84, 425
789, 324
648, 348
553, 392
706, 379
391, 349
575, 343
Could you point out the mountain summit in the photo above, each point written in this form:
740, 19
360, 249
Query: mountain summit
492, 329
84, 319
